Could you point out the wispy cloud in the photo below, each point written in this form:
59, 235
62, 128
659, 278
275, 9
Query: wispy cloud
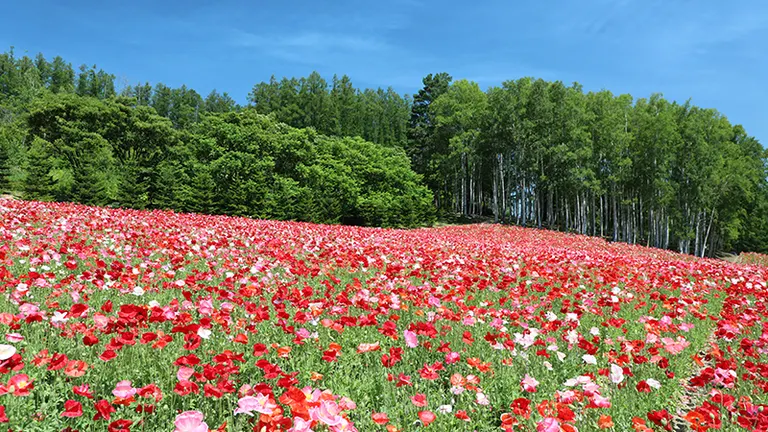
310, 40
689, 33
695, 35
591, 19
310, 46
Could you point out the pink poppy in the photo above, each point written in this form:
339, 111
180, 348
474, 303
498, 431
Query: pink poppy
259, 403
124, 390
190, 421
327, 412
411, 341
548, 425
617, 374
184, 373
529, 383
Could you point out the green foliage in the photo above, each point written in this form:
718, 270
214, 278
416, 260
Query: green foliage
378, 115
262, 168
12, 156
98, 84
537, 152
118, 152
529, 152
219, 103
95, 151
421, 124
69, 160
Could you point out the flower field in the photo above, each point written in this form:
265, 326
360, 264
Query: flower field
754, 258
124, 320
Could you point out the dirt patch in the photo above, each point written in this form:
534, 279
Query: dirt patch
731, 258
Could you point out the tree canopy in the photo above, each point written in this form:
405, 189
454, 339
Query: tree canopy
158, 147
529, 152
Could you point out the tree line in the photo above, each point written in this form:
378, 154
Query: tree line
529, 152
71, 137
543, 154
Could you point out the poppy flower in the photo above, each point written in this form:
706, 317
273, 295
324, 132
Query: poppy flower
380, 418
75, 368
426, 417
20, 385
184, 373
13, 338
617, 374
184, 388
104, 410
7, 351
462, 415
643, 387
604, 422
190, 421
548, 425
72, 409
108, 355
529, 384
83, 390
122, 425
368, 347
411, 341
58, 361
259, 403
124, 390
419, 400
521, 407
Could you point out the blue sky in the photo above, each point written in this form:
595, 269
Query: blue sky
712, 51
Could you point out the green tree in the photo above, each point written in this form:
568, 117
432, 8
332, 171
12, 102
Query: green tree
458, 117
98, 84
62, 76
421, 124
162, 100
219, 103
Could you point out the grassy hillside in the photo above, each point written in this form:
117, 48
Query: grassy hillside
139, 320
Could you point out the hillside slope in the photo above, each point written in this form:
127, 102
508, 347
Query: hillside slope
145, 318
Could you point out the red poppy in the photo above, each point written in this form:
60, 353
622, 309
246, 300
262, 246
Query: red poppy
122, 425
90, 340
108, 355
184, 388
604, 422
72, 409
259, 350
76, 368
426, 417
104, 410
521, 407
58, 361
379, 418
419, 399
83, 390
643, 387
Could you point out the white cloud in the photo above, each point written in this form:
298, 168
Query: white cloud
310, 40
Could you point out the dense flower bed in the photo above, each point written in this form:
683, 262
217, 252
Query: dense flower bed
754, 258
124, 320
